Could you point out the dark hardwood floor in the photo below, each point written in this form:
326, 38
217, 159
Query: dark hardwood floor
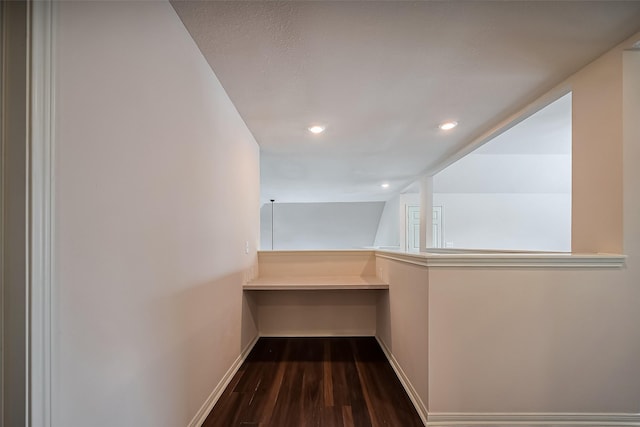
314, 382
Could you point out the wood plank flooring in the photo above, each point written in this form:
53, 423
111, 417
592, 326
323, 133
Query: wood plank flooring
314, 382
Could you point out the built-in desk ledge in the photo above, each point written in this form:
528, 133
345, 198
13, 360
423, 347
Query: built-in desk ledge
310, 283
466, 258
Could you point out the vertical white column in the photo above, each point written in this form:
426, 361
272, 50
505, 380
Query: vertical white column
426, 213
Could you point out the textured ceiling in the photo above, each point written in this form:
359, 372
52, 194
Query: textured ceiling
382, 75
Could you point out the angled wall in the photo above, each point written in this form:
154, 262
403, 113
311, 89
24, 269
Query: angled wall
391, 231
157, 194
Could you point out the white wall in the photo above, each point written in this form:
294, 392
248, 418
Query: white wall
403, 320
506, 221
533, 341
318, 312
391, 231
507, 173
388, 233
157, 190
597, 166
631, 157
506, 201
320, 225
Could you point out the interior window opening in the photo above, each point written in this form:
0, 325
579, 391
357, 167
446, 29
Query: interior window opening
512, 193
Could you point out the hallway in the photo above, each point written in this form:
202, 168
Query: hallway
323, 382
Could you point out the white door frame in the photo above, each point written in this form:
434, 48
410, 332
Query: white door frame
440, 228
41, 199
405, 245
407, 230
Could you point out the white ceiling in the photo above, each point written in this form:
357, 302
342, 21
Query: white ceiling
382, 75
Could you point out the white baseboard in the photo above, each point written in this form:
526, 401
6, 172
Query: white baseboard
411, 391
208, 405
533, 419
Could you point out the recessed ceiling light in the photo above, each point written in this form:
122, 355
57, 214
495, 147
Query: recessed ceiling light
448, 125
385, 185
316, 129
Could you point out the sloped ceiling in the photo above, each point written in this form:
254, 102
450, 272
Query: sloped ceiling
382, 75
